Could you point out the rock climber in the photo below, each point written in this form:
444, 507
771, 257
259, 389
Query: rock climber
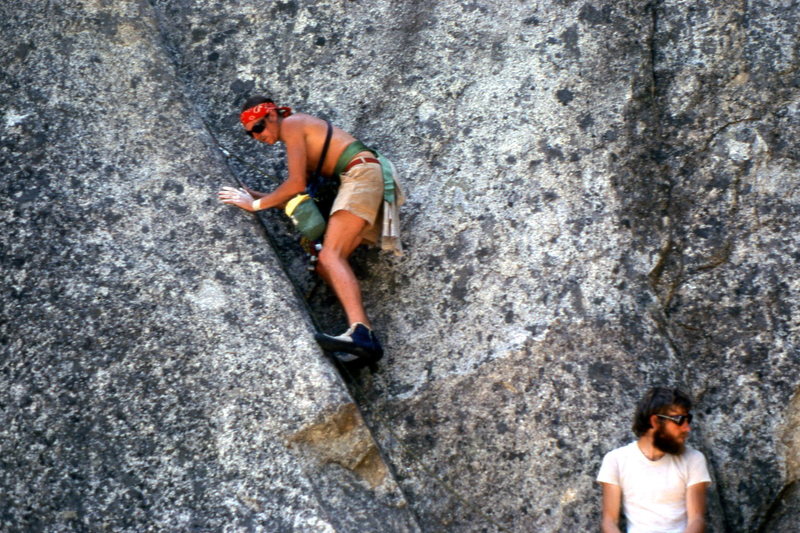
364, 209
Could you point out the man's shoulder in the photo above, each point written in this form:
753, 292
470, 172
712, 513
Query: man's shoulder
627, 448
692, 452
691, 455
301, 127
301, 120
614, 462
622, 451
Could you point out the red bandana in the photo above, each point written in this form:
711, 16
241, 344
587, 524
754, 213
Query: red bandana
260, 111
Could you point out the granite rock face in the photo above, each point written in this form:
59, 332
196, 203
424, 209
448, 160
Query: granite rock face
157, 366
602, 197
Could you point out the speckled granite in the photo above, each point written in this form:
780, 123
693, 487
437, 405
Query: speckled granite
602, 196
156, 364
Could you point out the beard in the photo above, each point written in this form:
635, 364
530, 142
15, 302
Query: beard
667, 444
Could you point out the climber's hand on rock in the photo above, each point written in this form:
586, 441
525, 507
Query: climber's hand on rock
237, 197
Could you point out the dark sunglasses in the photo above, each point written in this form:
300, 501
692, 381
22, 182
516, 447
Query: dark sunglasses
678, 419
258, 128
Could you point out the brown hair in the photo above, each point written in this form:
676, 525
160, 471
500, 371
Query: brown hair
655, 402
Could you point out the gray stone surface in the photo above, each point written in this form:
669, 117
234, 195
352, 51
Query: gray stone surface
158, 371
603, 196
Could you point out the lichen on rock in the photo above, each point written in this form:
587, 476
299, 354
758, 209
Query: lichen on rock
342, 438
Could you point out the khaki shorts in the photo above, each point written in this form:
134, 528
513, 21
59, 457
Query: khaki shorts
361, 193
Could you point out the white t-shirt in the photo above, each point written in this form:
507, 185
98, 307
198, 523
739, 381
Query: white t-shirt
653, 492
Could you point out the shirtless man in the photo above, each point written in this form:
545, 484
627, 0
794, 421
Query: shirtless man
355, 216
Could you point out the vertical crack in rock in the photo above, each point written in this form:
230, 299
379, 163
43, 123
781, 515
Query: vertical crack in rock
653, 8
790, 439
657, 276
173, 51
711, 142
667, 275
779, 514
342, 438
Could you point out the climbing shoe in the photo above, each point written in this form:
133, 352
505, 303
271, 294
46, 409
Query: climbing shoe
359, 341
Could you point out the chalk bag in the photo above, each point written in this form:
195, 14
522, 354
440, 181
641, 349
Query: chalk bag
305, 214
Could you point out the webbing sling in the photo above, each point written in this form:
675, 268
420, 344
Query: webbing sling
316, 180
386, 167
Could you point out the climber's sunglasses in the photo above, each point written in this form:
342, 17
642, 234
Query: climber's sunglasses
678, 419
258, 128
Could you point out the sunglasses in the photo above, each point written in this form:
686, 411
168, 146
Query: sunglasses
258, 128
678, 419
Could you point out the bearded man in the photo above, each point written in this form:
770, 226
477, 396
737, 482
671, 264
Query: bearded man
658, 481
